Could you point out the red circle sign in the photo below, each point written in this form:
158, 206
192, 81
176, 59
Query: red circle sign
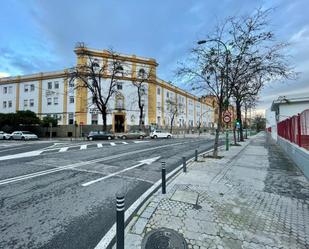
227, 119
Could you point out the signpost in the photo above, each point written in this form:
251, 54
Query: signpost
227, 119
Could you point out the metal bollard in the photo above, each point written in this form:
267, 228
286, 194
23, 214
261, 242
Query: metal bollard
120, 222
163, 178
227, 141
195, 159
184, 164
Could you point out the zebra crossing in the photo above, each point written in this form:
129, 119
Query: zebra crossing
67, 148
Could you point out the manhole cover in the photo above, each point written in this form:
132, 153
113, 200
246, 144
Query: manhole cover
164, 238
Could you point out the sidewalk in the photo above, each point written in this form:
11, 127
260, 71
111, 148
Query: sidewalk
253, 197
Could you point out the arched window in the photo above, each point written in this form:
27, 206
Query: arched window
142, 73
119, 102
119, 70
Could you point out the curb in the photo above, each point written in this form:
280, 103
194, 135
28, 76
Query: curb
109, 238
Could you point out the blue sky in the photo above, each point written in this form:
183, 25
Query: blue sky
39, 35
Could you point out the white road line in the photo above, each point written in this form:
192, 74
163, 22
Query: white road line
21, 155
124, 142
70, 166
146, 161
111, 175
64, 149
138, 142
83, 147
112, 144
99, 145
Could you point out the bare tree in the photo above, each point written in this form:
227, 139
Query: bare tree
206, 70
174, 109
99, 78
256, 58
140, 83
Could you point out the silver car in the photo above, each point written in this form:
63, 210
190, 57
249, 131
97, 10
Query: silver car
23, 135
4, 135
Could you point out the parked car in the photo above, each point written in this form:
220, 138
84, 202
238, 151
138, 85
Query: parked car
160, 134
4, 135
96, 135
23, 135
134, 135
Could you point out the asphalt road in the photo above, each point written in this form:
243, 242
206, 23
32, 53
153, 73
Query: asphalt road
64, 196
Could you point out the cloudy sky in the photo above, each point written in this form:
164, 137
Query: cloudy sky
39, 35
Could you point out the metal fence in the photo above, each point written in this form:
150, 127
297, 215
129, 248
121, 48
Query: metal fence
296, 129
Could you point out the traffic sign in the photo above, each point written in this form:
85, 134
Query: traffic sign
227, 118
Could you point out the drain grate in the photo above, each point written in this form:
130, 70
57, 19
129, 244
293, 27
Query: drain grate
164, 238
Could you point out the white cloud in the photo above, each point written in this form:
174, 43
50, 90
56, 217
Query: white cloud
3, 74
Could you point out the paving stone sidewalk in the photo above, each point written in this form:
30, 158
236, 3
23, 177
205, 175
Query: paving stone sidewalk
254, 197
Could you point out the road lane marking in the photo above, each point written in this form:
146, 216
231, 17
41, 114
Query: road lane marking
124, 142
99, 145
22, 155
64, 149
138, 142
72, 166
146, 161
112, 144
83, 147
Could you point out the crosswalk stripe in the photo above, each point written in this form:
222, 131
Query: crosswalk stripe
138, 142
124, 142
113, 144
100, 145
83, 147
64, 149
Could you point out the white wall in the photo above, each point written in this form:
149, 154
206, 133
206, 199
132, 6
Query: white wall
53, 109
288, 110
9, 96
30, 94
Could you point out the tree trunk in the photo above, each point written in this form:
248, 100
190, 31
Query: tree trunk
104, 114
238, 112
172, 121
215, 153
141, 118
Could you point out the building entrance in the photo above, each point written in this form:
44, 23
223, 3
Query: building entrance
119, 123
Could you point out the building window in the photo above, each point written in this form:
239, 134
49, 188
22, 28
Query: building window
71, 99
5, 90
167, 94
71, 84
26, 103
4, 104
49, 101
26, 88
49, 85
56, 85
31, 87
158, 91
71, 118
94, 119
10, 89
141, 73
55, 100
31, 102
119, 70
119, 86
10, 103
142, 90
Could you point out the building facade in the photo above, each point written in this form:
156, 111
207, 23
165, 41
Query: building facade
55, 94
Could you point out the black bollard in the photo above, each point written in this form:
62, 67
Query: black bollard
184, 164
163, 178
120, 222
195, 156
